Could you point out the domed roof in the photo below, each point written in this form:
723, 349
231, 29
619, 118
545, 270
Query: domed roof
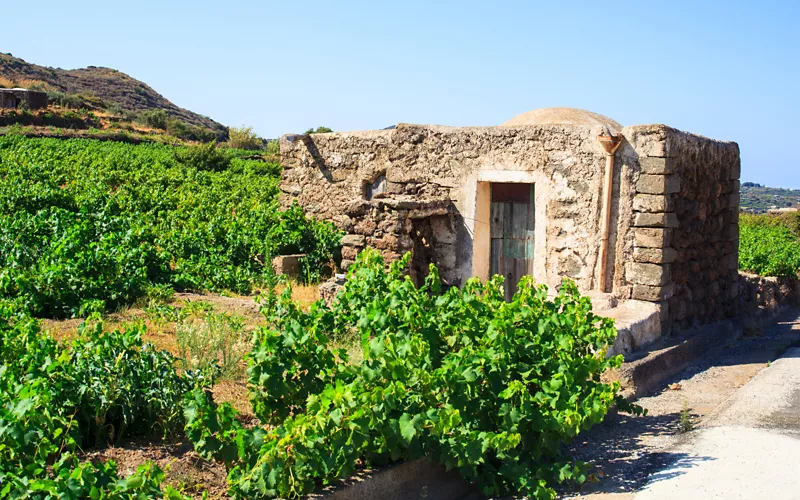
564, 116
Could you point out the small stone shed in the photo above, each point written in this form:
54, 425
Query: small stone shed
640, 213
15, 98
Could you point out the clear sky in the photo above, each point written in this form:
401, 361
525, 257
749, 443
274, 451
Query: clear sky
725, 69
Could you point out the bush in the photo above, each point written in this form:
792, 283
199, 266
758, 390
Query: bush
769, 245
181, 130
319, 130
244, 138
154, 118
490, 388
56, 400
204, 157
213, 342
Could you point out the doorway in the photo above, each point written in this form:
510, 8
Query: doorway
512, 222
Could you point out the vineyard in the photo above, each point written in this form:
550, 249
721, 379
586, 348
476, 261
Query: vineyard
90, 226
769, 245
388, 372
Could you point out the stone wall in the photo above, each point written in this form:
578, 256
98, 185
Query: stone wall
674, 204
436, 165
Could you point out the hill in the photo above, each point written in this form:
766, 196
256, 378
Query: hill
758, 199
105, 87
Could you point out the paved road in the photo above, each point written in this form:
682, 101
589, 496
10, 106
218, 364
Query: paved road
749, 449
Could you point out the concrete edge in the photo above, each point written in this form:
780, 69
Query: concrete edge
416, 479
647, 373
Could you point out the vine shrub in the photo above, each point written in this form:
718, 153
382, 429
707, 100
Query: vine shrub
56, 400
491, 388
769, 245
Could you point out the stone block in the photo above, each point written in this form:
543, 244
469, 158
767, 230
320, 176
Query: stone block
288, 265
733, 201
656, 220
652, 203
652, 237
658, 184
654, 255
653, 294
659, 166
736, 169
353, 240
349, 253
647, 274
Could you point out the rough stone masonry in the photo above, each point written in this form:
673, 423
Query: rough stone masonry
425, 189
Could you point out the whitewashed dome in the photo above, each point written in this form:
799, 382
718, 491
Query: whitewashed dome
564, 116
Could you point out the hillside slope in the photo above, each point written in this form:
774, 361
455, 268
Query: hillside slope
110, 85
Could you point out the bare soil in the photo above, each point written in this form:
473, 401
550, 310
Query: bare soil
183, 467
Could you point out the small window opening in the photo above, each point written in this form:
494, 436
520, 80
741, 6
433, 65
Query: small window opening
375, 188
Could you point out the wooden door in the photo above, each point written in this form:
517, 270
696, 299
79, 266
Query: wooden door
511, 233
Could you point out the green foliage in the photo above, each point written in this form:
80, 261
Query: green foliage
155, 118
273, 147
181, 130
295, 233
213, 341
83, 221
769, 245
204, 157
244, 138
318, 130
490, 388
55, 400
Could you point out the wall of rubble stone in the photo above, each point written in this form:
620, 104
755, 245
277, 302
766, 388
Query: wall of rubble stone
674, 204
686, 226
432, 178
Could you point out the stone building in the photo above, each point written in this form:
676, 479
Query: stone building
15, 98
644, 214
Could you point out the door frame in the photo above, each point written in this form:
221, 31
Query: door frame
481, 235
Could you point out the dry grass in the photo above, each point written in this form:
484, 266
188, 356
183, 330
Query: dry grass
303, 295
24, 83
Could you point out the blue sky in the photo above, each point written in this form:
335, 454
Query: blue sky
728, 70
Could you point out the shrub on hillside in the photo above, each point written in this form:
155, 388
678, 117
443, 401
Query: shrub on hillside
154, 118
491, 388
244, 138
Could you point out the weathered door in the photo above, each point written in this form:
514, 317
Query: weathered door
512, 222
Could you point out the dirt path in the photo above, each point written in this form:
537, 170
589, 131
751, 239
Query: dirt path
626, 450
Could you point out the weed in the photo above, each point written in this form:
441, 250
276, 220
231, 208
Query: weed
686, 423
213, 340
